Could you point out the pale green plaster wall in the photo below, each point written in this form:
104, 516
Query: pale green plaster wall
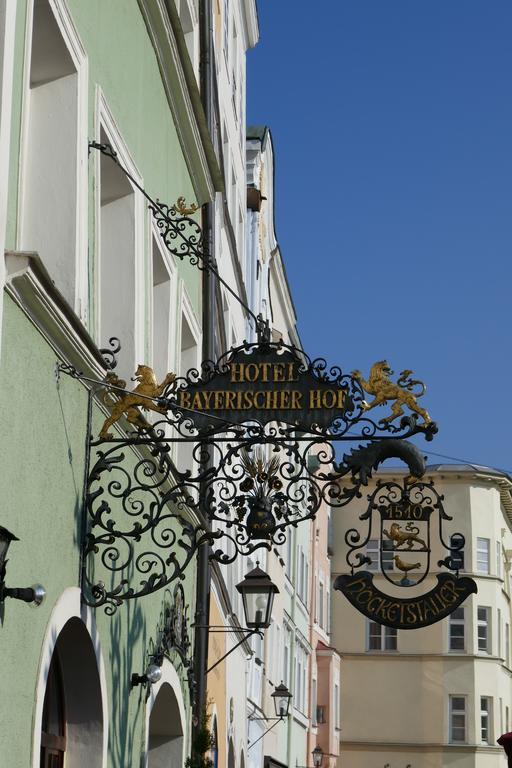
42, 461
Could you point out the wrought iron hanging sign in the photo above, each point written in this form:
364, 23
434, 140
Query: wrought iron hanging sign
405, 514
234, 453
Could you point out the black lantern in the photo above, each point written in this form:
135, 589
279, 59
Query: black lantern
282, 698
318, 756
5, 539
34, 594
257, 592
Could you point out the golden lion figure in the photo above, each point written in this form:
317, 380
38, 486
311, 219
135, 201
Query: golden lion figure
407, 537
130, 403
380, 385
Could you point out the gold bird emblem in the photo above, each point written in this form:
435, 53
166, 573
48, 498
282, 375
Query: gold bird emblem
405, 567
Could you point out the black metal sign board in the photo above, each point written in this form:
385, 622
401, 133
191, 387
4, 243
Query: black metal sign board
401, 613
265, 384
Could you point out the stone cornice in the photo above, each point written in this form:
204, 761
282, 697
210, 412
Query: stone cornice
183, 96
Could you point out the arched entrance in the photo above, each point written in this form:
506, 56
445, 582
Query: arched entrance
231, 755
72, 719
165, 735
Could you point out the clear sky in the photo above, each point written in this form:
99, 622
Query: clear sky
392, 126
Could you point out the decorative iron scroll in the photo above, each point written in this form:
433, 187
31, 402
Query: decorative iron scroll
249, 472
405, 515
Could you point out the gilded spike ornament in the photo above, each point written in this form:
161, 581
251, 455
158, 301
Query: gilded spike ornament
181, 207
384, 390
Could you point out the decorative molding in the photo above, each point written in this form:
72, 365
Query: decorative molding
183, 97
30, 286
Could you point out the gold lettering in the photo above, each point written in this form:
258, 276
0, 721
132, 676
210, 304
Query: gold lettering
329, 398
196, 401
279, 372
229, 399
314, 399
290, 373
296, 398
247, 400
271, 401
185, 399
237, 372
411, 616
341, 399
285, 399
265, 367
251, 372
259, 399
207, 399
218, 400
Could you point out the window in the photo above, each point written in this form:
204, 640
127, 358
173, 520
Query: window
162, 301
314, 708
485, 719
53, 188
286, 656
302, 576
498, 559
499, 633
457, 640
507, 645
321, 604
381, 638
458, 719
484, 639
506, 719
372, 551
300, 699
482, 555
337, 723
320, 714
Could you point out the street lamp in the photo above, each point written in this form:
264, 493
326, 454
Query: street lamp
257, 592
34, 594
282, 698
152, 675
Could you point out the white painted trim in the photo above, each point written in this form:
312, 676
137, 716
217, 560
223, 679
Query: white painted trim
191, 317
6, 84
68, 606
78, 55
169, 677
104, 118
172, 270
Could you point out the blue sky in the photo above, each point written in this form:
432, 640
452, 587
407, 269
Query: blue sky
392, 126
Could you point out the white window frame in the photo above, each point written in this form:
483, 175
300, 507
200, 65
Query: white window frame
172, 271
78, 55
498, 559
481, 624
483, 549
105, 120
457, 712
372, 548
453, 622
386, 633
486, 719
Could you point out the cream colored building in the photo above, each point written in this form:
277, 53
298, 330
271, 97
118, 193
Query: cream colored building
442, 695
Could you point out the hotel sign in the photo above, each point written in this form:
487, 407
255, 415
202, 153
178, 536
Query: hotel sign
264, 385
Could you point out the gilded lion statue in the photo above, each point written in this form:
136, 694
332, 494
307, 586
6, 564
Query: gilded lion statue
130, 402
407, 537
380, 385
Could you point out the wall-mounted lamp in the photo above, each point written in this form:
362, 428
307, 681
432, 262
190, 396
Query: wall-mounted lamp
282, 698
318, 756
151, 676
258, 591
34, 594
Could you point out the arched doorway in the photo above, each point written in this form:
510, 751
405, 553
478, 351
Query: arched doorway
231, 755
215, 743
72, 720
165, 736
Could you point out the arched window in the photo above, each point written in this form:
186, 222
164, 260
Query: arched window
72, 721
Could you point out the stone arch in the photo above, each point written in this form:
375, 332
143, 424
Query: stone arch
165, 722
72, 646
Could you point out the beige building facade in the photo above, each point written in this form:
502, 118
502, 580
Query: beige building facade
438, 696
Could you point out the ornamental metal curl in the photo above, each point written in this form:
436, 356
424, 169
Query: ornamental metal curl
230, 455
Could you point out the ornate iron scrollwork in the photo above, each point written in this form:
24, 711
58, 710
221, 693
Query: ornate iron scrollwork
261, 425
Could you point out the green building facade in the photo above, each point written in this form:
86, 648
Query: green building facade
83, 263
